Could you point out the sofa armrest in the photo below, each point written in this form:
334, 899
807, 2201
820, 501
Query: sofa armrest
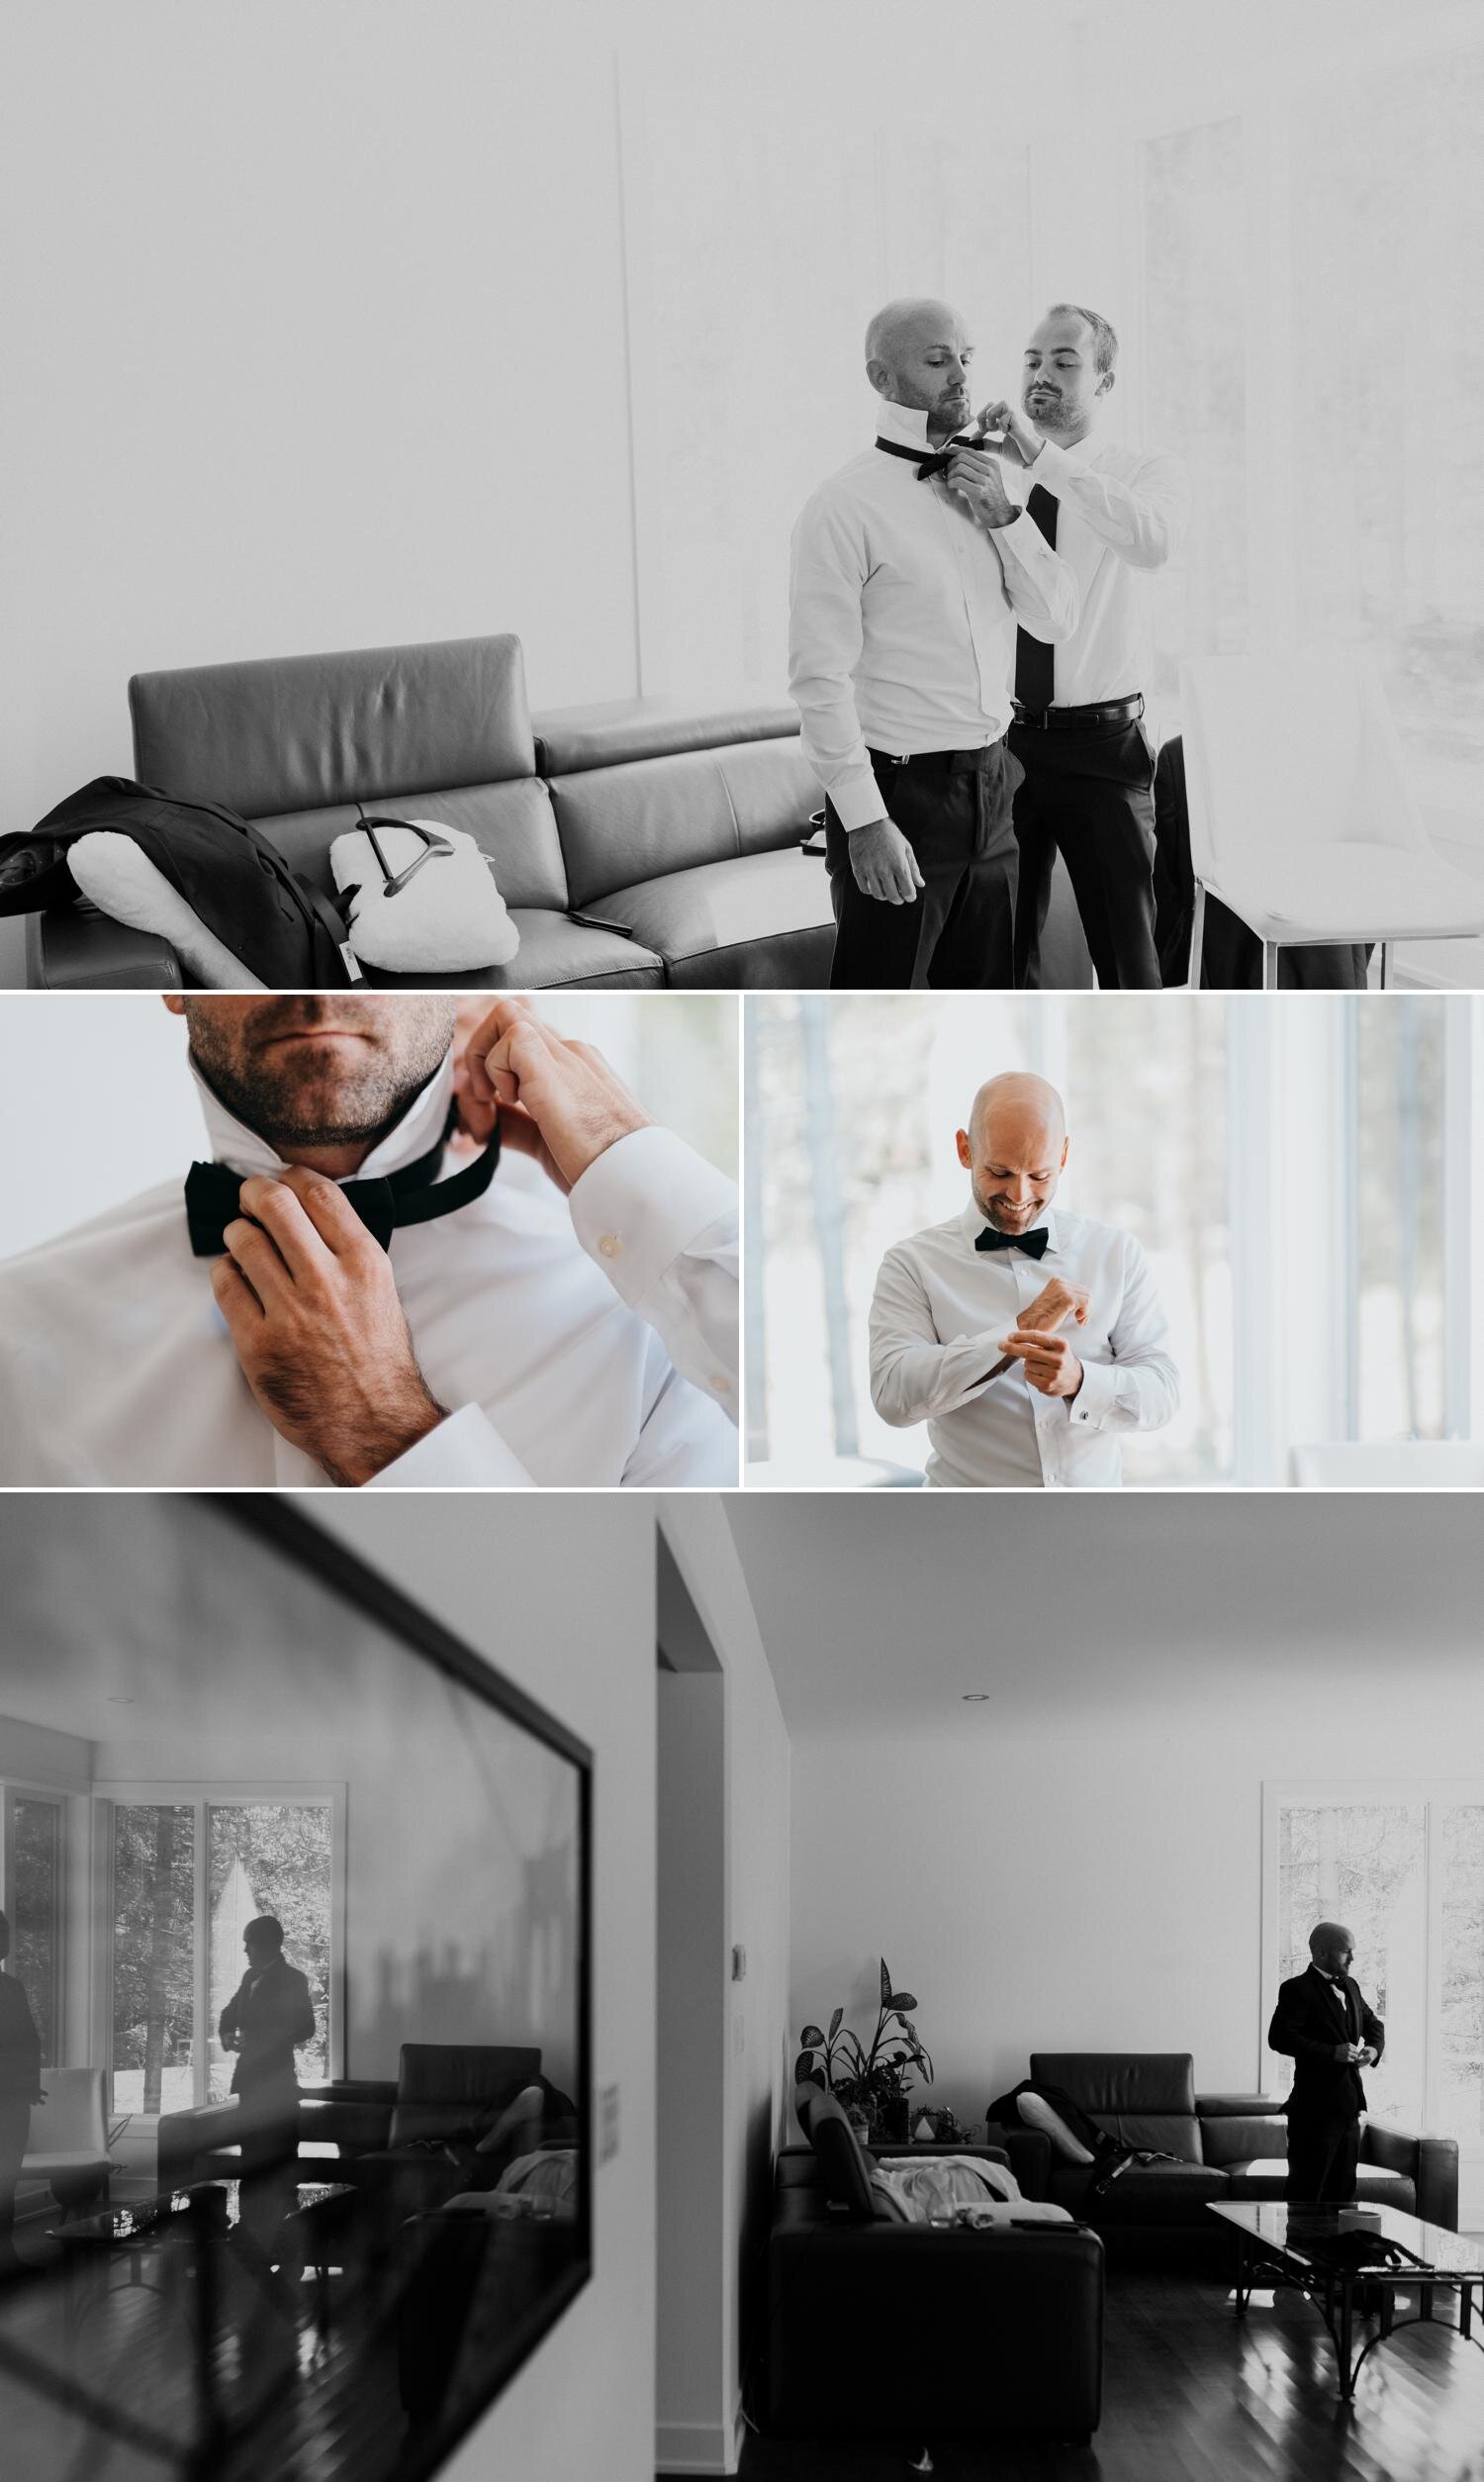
74, 947
1030, 2153
1430, 2163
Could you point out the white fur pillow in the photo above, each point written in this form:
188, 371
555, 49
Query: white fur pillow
1036, 2113
118, 876
450, 919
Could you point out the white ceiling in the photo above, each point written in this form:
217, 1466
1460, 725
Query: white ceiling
882, 1609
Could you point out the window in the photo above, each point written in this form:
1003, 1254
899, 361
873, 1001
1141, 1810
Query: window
188, 1874
850, 1147
1403, 1867
1399, 1330
32, 1886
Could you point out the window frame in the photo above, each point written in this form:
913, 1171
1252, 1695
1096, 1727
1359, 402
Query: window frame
15, 1788
201, 1797
1432, 1793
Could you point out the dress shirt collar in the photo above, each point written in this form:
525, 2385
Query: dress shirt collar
905, 423
973, 1224
233, 1144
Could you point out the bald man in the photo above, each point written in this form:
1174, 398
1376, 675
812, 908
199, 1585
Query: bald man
1325, 2026
1027, 1339
912, 567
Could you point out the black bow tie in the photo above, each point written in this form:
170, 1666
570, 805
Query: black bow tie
936, 459
1033, 1243
412, 1196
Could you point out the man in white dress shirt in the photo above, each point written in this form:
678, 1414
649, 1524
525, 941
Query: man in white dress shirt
1113, 513
529, 1336
910, 568
969, 1326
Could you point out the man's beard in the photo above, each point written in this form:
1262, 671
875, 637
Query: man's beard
1047, 414
302, 1096
993, 1208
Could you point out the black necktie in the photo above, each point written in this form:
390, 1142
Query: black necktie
936, 459
412, 1196
1035, 661
1033, 1243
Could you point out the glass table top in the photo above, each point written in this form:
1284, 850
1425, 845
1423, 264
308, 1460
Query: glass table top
144, 2218
1291, 2229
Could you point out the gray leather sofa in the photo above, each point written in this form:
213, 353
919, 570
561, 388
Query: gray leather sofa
636, 845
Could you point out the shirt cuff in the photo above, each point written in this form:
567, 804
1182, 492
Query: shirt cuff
858, 805
1097, 1395
1055, 467
645, 1200
465, 1452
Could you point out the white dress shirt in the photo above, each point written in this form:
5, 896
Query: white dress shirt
940, 1311
581, 1340
1119, 510
902, 617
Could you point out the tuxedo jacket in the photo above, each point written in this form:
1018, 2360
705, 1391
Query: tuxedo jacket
1307, 2025
20, 2046
268, 2015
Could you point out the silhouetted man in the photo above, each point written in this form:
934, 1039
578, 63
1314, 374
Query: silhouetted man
1324, 2026
267, 2019
20, 2087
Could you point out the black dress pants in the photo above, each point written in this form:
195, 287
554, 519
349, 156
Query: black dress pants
1090, 796
956, 810
15, 2125
1322, 2160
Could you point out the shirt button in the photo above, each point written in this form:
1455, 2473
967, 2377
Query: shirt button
721, 1382
610, 1246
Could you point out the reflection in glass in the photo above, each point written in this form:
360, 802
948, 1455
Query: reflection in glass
310, 2174
1462, 2045
1363, 1863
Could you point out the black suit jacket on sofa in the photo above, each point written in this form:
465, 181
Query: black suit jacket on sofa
1306, 2026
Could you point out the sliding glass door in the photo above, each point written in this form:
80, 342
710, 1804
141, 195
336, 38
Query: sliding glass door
189, 1869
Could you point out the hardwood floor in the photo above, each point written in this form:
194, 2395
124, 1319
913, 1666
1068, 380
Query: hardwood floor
1194, 2394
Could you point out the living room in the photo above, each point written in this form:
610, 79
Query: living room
981, 1752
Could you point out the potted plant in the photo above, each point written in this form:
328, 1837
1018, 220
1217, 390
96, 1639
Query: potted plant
875, 2081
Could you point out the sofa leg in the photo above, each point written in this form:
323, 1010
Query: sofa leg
923, 2462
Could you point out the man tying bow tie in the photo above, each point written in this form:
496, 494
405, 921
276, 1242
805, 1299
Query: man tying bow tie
336, 1295
970, 1324
910, 569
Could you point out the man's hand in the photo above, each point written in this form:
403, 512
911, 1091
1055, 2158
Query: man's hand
1353, 2054
884, 864
1051, 1366
557, 1102
1056, 1301
974, 476
1020, 443
311, 1306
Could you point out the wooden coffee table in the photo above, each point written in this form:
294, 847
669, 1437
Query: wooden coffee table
1295, 2240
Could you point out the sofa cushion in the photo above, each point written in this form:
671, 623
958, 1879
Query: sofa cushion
844, 2166
707, 913
446, 2087
513, 824
1232, 2137
1153, 2194
1117, 2082
621, 826
301, 731
1267, 2177
571, 738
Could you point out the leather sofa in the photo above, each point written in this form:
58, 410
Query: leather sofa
881, 2330
636, 845
1231, 2147
351, 2114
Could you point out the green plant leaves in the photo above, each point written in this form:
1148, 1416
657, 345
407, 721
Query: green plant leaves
812, 2037
835, 2023
901, 2001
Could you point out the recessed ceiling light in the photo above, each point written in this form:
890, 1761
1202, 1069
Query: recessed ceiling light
120, 1701
976, 1697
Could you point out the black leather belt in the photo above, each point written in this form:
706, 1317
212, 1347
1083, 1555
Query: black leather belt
1080, 719
953, 762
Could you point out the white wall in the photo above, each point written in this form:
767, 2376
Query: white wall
1085, 1885
314, 333
558, 1592
754, 1827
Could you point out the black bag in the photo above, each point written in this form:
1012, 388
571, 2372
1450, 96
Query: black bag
283, 928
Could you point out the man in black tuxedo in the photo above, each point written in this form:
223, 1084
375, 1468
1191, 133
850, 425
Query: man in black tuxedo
268, 2016
20, 2087
1325, 2027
